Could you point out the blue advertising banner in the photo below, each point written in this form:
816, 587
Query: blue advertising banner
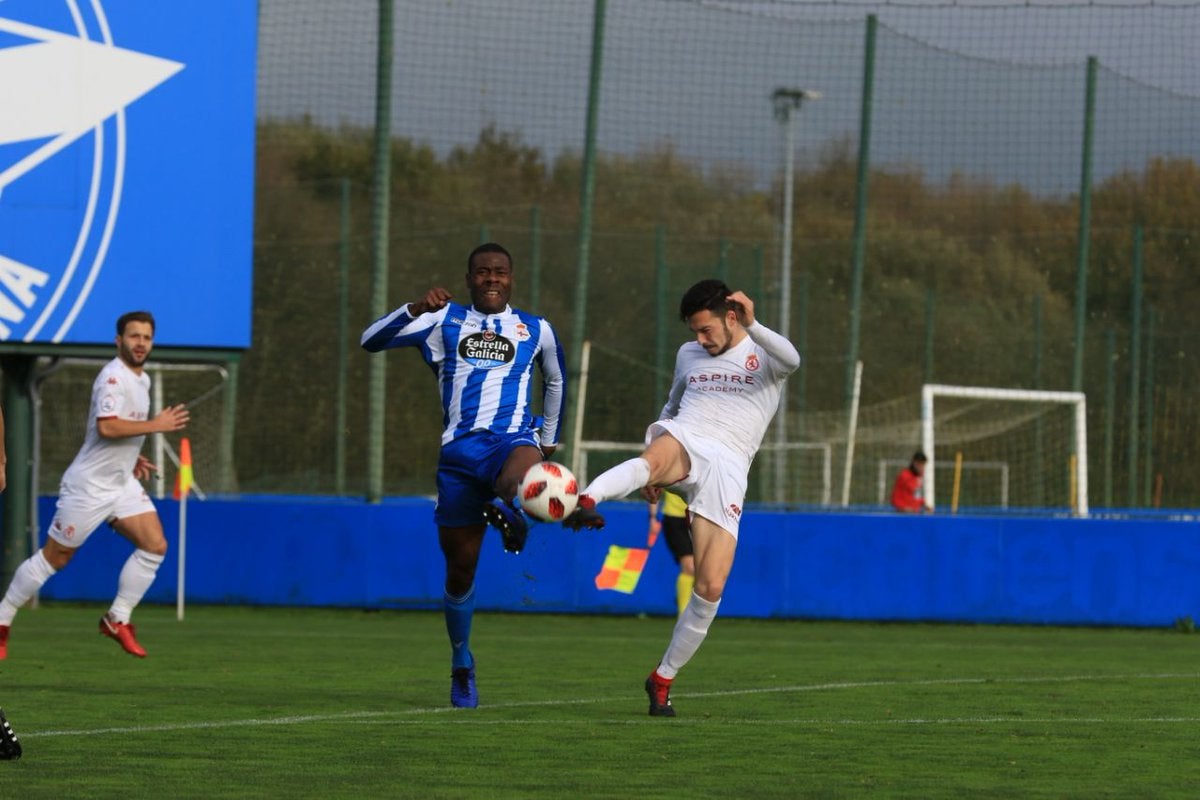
126, 169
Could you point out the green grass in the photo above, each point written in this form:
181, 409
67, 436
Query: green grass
245, 703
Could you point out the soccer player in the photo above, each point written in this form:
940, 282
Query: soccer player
103, 484
908, 492
484, 355
10, 747
724, 393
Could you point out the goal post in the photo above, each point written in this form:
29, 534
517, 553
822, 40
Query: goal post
995, 417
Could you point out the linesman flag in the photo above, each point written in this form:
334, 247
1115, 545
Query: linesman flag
622, 568
183, 479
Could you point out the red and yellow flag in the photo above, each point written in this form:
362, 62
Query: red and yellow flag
183, 479
622, 568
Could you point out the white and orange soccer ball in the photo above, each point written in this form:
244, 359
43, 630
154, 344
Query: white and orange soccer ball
548, 492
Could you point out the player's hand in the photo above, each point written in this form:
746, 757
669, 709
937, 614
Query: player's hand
435, 300
651, 494
144, 468
172, 418
743, 306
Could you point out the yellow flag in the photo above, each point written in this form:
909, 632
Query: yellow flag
622, 568
183, 480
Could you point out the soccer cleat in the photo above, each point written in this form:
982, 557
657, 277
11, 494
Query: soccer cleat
511, 523
659, 691
3, 642
124, 633
10, 748
585, 515
463, 693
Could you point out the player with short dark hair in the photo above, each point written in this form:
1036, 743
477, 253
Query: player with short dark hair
484, 355
908, 492
725, 392
103, 485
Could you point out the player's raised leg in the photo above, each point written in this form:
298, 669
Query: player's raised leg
662, 463
504, 513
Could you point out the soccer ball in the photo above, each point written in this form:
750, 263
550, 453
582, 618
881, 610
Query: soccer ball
548, 492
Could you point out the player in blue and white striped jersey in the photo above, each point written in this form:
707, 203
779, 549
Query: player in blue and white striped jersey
483, 355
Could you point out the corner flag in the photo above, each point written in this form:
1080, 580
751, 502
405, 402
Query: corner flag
622, 568
184, 479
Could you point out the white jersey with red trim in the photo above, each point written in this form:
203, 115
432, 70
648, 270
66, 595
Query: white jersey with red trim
104, 465
731, 397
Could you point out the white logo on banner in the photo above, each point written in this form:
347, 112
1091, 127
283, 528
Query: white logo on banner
55, 88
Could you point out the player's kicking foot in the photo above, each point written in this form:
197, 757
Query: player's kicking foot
511, 523
585, 515
10, 748
659, 691
124, 633
3, 642
463, 693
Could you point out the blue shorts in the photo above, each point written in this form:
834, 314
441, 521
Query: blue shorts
467, 472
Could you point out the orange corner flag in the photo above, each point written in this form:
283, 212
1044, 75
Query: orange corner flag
622, 568
183, 479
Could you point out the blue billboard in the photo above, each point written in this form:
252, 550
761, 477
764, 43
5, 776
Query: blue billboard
126, 169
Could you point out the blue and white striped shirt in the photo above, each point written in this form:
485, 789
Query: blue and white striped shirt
484, 364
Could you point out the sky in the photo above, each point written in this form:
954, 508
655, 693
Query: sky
989, 89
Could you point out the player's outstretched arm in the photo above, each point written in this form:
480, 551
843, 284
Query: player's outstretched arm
434, 300
172, 418
396, 329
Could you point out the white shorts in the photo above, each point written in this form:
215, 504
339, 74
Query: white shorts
78, 513
716, 486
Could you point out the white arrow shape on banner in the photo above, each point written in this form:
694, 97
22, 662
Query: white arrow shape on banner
60, 86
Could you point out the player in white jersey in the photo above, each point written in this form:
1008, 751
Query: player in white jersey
723, 396
102, 485
10, 746
484, 355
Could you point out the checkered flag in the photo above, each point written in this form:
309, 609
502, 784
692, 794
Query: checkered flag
10, 748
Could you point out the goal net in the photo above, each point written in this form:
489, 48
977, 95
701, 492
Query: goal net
62, 397
1035, 441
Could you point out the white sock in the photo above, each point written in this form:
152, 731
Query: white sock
136, 577
29, 577
690, 631
615, 483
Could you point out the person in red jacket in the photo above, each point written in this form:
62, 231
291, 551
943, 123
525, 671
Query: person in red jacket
907, 492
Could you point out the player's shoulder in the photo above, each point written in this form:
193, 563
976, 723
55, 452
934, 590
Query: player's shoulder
452, 312
113, 372
538, 325
529, 318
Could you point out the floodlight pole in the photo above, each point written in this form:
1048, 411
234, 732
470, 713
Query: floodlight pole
786, 102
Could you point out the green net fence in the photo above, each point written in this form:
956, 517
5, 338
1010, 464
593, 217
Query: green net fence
971, 228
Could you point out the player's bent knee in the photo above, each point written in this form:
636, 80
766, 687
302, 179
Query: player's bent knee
56, 555
709, 590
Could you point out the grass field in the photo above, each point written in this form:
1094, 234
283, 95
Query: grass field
291, 703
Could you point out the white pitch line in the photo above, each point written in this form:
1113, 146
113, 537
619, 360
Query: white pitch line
365, 716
